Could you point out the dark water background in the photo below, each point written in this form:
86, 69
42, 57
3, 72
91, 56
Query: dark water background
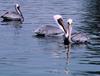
22, 54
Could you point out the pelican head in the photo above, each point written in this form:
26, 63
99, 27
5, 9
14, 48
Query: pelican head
60, 22
17, 5
70, 21
56, 17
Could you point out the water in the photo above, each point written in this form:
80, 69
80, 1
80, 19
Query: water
22, 54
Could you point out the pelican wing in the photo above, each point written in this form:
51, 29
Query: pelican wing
79, 37
48, 30
11, 16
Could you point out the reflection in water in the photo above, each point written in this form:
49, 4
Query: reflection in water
14, 27
68, 50
15, 24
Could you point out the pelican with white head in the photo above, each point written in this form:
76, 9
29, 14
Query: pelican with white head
13, 15
17, 8
59, 21
69, 28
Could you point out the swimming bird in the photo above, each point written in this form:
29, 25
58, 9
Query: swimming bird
13, 16
48, 30
70, 37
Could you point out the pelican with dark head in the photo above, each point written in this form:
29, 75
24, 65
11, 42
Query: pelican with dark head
13, 16
70, 37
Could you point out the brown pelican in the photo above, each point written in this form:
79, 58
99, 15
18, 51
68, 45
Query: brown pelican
70, 37
48, 30
13, 16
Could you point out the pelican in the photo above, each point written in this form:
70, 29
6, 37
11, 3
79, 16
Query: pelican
48, 30
70, 37
13, 16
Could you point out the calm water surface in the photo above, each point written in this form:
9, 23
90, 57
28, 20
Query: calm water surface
22, 54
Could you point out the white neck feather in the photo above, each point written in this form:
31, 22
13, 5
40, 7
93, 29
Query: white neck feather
56, 17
